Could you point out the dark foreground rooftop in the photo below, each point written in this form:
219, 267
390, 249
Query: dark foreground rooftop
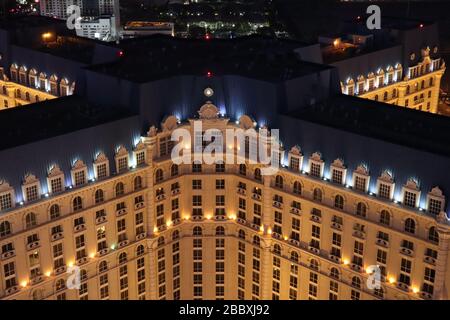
161, 56
39, 121
408, 127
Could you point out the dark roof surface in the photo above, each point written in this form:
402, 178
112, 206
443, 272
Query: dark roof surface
39, 121
408, 127
162, 56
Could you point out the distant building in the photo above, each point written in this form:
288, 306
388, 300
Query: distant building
135, 29
58, 8
102, 28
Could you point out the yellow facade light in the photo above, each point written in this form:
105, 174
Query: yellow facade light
415, 289
391, 280
48, 273
169, 223
346, 261
92, 255
24, 283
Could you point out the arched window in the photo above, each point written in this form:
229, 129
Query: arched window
297, 188
102, 266
30, 220
256, 241
54, 212
385, 217
408, 89
220, 231
356, 282
83, 275
241, 234
77, 204
313, 264
174, 170
197, 231
159, 176
279, 182
376, 97
433, 235
243, 169
137, 183
60, 285
277, 249
317, 195
37, 294
140, 250
361, 209
379, 292
294, 256
257, 174
385, 96
5, 229
339, 202
99, 197
334, 273
122, 257
410, 226
120, 189
176, 235
161, 241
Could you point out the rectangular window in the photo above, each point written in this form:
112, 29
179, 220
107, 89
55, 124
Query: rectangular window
32, 193
360, 184
5, 201
315, 170
101, 171
56, 185
337, 176
122, 164
409, 199
80, 178
384, 191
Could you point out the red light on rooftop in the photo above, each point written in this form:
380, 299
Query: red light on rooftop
358, 18
207, 36
120, 53
421, 25
209, 74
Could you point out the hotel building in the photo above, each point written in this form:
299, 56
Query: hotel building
91, 189
383, 65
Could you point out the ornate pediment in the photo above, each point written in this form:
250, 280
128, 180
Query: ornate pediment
121, 151
139, 146
208, 111
29, 179
295, 150
412, 184
386, 176
169, 123
4, 186
152, 131
362, 169
338, 163
245, 122
78, 164
436, 192
101, 157
316, 156
54, 171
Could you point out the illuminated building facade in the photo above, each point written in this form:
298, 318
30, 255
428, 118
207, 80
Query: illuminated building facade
92, 184
399, 65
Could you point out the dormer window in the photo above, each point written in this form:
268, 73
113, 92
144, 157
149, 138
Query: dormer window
139, 154
14, 72
64, 87
6, 196
338, 171
121, 158
55, 179
385, 185
32, 78
350, 87
166, 145
360, 84
54, 85
316, 165
370, 81
361, 178
79, 173
43, 81
398, 72
23, 75
411, 193
31, 188
295, 159
435, 201
101, 166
